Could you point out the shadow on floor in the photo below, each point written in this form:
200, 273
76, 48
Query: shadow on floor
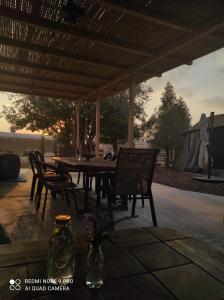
194, 213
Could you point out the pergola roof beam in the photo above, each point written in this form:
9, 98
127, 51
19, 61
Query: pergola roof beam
152, 16
65, 55
12, 14
43, 79
38, 79
33, 86
136, 11
29, 44
180, 44
37, 67
26, 89
49, 68
59, 53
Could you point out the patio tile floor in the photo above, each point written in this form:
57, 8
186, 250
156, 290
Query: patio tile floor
201, 215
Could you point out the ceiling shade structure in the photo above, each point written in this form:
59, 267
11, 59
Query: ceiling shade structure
46, 51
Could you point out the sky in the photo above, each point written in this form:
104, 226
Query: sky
201, 85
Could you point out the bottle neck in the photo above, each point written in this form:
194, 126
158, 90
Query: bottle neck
59, 226
95, 244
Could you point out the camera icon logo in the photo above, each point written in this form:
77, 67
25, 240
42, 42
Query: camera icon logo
15, 284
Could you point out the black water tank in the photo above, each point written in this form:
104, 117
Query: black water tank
9, 166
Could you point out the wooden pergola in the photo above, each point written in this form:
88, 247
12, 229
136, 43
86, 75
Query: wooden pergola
87, 50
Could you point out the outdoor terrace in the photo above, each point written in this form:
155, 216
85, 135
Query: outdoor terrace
197, 214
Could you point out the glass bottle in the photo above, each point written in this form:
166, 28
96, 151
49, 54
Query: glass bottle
61, 262
94, 277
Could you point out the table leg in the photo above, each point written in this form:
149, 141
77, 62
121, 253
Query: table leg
86, 189
83, 179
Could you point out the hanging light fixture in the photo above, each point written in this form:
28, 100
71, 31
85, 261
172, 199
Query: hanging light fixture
71, 12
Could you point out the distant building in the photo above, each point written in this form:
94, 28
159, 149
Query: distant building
191, 141
19, 143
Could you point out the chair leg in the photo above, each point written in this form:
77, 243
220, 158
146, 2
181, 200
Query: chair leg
110, 198
72, 190
105, 186
38, 195
45, 201
90, 182
33, 187
154, 220
78, 179
53, 194
65, 192
75, 199
143, 200
95, 187
86, 193
98, 190
133, 207
84, 180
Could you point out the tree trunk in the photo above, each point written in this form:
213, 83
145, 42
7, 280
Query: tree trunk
171, 156
114, 143
167, 157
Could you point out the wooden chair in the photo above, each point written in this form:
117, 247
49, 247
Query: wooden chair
47, 167
53, 174
56, 183
133, 178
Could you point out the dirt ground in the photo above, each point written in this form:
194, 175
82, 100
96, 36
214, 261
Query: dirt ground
183, 181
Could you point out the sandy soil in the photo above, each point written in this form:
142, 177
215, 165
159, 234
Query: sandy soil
183, 181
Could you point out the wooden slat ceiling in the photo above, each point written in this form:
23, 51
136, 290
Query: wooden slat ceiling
41, 53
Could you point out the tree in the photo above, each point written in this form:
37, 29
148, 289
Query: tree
87, 121
114, 120
51, 116
56, 117
169, 122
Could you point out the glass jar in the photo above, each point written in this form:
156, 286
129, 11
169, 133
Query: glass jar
61, 262
94, 276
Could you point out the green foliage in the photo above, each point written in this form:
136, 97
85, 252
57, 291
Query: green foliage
114, 120
169, 122
51, 116
87, 121
56, 116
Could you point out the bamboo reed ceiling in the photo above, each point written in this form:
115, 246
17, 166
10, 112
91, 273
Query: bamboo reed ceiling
44, 53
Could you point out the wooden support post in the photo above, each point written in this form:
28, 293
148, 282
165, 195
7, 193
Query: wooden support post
98, 103
74, 128
77, 115
131, 111
75, 131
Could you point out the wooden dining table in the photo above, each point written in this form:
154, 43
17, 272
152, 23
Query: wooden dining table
95, 164
87, 167
142, 264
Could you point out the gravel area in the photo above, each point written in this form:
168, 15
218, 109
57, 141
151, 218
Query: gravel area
183, 181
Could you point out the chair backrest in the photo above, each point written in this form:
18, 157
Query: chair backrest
31, 159
35, 163
41, 160
108, 156
135, 168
